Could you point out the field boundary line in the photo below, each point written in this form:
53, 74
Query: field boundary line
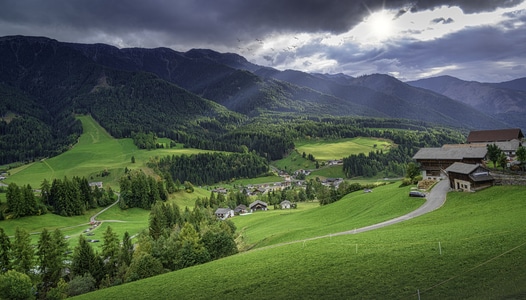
473, 268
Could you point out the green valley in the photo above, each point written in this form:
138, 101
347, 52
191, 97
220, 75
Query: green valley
472, 248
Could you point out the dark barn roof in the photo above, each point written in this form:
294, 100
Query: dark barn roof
451, 153
498, 135
475, 172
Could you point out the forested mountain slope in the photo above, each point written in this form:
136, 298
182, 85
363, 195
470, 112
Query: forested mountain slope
43, 83
201, 98
504, 101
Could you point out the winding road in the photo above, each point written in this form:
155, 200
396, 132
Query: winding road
94, 217
434, 200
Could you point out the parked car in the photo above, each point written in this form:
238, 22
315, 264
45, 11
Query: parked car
416, 194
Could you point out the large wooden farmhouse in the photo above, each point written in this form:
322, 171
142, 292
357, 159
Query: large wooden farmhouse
464, 164
434, 161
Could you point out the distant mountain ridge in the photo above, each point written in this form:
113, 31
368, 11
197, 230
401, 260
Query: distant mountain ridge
504, 101
230, 76
203, 93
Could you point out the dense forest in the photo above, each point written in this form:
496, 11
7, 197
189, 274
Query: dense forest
66, 197
176, 239
209, 168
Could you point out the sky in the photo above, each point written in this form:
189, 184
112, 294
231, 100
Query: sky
479, 40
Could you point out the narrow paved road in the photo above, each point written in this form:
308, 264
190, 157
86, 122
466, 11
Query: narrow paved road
94, 217
434, 200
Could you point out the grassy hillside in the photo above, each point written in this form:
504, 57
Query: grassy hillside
95, 152
338, 149
472, 248
324, 150
353, 211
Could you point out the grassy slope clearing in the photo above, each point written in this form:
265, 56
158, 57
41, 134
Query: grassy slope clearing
338, 149
482, 255
95, 152
329, 150
353, 211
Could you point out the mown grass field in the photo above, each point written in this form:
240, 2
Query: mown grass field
474, 247
338, 149
355, 210
95, 152
324, 150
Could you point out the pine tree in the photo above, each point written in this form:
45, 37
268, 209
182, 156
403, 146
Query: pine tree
14, 199
51, 254
86, 261
110, 252
23, 253
5, 251
44, 260
29, 204
126, 251
157, 220
191, 249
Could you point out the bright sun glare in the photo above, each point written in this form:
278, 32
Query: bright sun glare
380, 25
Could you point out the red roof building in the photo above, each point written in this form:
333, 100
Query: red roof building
498, 135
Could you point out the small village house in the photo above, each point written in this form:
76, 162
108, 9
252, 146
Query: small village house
240, 209
224, 213
258, 205
97, 184
469, 177
285, 204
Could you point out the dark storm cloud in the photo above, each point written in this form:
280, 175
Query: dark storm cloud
243, 26
200, 21
470, 51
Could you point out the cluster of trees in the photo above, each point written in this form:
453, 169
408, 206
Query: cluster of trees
232, 199
21, 202
180, 239
64, 197
269, 144
392, 162
73, 197
496, 156
139, 190
145, 140
209, 168
27, 271
327, 194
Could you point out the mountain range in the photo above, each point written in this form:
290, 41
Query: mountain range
202, 91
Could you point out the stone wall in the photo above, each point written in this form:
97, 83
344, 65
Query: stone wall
508, 179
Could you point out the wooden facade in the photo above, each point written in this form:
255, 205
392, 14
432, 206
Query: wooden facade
469, 177
258, 205
434, 161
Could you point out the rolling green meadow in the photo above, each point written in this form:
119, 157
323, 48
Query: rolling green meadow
474, 247
338, 149
95, 152
324, 150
